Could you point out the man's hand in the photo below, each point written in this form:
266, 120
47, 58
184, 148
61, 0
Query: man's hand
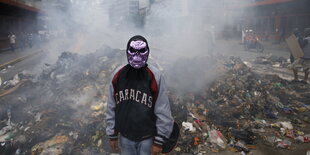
156, 150
114, 145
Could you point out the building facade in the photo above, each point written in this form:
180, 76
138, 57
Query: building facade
16, 17
129, 11
276, 19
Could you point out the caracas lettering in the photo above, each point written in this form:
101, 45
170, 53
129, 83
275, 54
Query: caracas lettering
133, 95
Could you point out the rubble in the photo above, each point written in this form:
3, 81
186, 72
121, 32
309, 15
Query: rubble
61, 111
56, 146
249, 108
272, 60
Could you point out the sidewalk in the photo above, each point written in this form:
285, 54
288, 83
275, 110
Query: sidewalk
235, 48
10, 56
277, 46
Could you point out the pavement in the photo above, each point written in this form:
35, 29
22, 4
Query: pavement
13, 62
11, 57
235, 48
223, 47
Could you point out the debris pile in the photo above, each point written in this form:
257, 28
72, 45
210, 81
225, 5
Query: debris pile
272, 60
61, 111
241, 109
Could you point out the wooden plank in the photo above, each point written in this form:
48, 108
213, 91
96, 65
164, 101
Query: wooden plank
294, 46
11, 90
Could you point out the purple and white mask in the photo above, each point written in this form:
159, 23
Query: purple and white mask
137, 54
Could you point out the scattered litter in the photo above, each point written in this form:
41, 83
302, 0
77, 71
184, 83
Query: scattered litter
62, 110
37, 117
188, 126
55, 146
285, 144
287, 125
217, 138
3, 71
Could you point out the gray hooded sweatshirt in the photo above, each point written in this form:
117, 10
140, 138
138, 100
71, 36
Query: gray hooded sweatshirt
161, 110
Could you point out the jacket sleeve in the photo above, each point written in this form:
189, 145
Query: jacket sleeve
110, 114
164, 122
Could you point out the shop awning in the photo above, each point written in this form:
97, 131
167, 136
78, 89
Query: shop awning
19, 5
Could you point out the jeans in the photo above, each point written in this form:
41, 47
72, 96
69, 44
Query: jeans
129, 147
12, 47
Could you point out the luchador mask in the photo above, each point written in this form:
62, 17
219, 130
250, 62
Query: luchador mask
137, 53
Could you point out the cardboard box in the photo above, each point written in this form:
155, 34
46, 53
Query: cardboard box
294, 47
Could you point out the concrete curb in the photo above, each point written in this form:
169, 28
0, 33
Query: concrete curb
18, 59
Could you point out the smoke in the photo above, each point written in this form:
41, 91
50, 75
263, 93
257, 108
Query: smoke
183, 35
81, 23
186, 36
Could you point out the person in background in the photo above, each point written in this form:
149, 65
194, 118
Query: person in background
23, 40
138, 110
12, 40
243, 35
266, 35
30, 39
298, 36
282, 35
210, 39
303, 62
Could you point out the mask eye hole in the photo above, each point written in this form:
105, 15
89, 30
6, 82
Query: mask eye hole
132, 50
143, 50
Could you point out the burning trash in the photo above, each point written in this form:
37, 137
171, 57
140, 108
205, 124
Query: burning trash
61, 111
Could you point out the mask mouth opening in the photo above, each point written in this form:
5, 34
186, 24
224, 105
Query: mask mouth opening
138, 61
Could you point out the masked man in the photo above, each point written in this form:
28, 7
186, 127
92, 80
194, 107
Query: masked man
138, 109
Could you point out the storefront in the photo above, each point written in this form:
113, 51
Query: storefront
276, 19
17, 18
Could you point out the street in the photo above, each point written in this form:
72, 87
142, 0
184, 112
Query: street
16, 66
141, 77
55, 80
